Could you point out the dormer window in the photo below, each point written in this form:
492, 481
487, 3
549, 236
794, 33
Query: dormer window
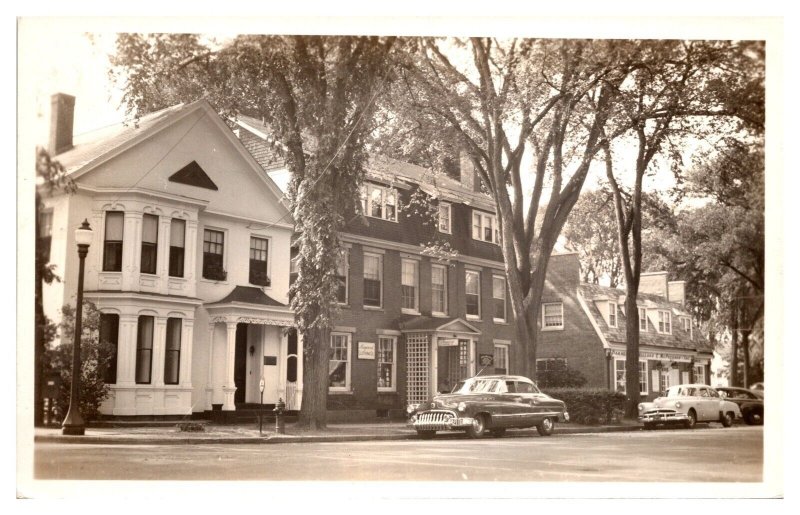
379, 201
612, 314
444, 217
485, 227
643, 320
665, 322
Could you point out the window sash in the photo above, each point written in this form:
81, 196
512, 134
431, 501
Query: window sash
612, 314
342, 273
339, 363
144, 349
473, 293
553, 315
620, 378
379, 202
387, 357
109, 333
500, 359
444, 217
172, 352
485, 227
499, 295
177, 242
259, 255
409, 284
664, 322
439, 289
643, 319
213, 248
149, 255
112, 243
372, 280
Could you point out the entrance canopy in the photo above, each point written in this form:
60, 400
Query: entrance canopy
248, 304
423, 324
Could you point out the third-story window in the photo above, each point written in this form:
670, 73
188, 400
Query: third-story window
172, 352
499, 298
342, 276
485, 227
379, 201
112, 244
144, 349
643, 319
149, 244
553, 315
177, 245
612, 314
259, 251
387, 373
439, 289
473, 293
444, 217
410, 285
373, 277
213, 247
665, 322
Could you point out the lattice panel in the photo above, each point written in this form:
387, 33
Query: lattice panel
418, 368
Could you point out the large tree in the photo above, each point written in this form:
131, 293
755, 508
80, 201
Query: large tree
50, 177
683, 91
317, 95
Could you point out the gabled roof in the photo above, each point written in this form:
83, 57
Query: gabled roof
679, 339
248, 295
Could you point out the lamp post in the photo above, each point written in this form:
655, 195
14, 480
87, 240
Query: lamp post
73, 423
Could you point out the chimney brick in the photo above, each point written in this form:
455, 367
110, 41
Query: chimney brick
654, 283
467, 172
677, 291
62, 114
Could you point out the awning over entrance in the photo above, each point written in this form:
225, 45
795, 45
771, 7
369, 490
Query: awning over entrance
248, 304
425, 324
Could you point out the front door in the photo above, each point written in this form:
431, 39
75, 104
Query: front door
453, 363
240, 364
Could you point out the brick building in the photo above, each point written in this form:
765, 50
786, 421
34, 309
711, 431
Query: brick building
412, 324
583, 327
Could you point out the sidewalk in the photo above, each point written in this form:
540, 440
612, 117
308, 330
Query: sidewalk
249, 434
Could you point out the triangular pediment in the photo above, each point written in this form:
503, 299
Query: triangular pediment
193, 175
458, 326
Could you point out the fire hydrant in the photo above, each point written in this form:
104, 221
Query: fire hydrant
280, 426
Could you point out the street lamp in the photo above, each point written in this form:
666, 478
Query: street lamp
73, 423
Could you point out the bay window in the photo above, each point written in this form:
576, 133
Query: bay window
144, 349
172, 356
109, 336
177, 246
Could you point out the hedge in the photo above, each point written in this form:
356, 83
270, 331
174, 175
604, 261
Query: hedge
591, 405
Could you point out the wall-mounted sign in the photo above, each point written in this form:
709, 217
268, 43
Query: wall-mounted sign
486, 360
270, 360
366, 350
448, 342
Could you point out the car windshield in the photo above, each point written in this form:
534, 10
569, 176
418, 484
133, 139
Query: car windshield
681, 391
478, 386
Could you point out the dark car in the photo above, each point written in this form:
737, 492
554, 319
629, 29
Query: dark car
489, 403
749, 402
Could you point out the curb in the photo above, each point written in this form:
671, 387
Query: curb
273, 439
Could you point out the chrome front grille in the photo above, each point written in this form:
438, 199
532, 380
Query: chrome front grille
434, 420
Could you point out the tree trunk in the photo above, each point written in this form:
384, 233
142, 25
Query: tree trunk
746, 358
316, 358
631, 355
734, 364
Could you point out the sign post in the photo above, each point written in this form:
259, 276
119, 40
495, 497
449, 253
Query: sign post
261, 408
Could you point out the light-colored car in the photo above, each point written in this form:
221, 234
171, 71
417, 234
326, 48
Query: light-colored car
489, 403
688, 404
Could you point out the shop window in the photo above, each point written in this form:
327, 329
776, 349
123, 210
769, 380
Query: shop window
387, 359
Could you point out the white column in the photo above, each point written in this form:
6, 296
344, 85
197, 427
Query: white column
162, 260
210, 387
190, 257
300, 358
131, 251
187, 344
126, 352
159, 340
282, 353
229, 385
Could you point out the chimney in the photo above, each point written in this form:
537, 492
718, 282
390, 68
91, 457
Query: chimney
677, 292
62, 114
468, 179
563, 272
654, 283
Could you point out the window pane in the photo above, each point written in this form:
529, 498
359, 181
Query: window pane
476, 226
391, 203
376, 202
553, 316
439, 289
144, 349
172, 356
109, 338
114, 224
473, 282
213, 245
177, 232
112, 248
149, 244
372, 280
409, 284
444, 217
149, 229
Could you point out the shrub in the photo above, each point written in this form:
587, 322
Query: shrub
590, 405
563, 377
95, 359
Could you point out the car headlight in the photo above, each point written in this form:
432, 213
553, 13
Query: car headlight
641, 407
462, 406
411, 408
678, 404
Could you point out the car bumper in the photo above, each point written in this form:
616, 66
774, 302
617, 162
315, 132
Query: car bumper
439, 421
663, 418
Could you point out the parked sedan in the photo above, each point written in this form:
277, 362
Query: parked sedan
489, 403
749, 402
688, 404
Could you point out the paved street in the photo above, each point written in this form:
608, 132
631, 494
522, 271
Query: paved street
704, 454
